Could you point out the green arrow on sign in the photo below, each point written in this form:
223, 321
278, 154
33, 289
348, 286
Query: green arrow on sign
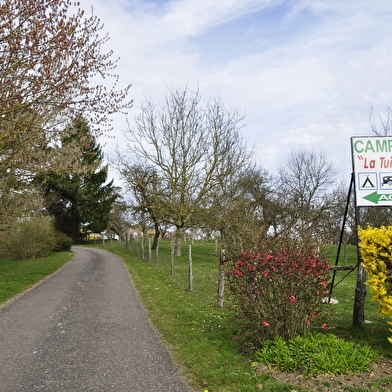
376, 197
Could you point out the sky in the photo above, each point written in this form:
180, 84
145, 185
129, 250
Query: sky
306, 72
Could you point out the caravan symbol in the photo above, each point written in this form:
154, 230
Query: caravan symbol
387, 180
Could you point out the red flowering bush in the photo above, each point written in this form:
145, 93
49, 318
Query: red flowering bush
278, 293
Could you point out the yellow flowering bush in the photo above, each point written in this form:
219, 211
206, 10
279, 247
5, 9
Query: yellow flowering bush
376, 250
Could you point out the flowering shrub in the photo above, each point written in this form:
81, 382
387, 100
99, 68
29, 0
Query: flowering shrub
278, 294
376, 250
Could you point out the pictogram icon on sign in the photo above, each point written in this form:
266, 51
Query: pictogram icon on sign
367, 181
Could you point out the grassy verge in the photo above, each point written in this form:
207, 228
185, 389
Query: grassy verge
17, 276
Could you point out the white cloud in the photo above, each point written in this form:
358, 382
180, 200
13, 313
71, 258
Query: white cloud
306, 71
192, 17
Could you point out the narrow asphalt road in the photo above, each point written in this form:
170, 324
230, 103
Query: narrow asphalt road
83, 329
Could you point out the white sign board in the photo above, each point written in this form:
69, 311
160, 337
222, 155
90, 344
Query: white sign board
372, 166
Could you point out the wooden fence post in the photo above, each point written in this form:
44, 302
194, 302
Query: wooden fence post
157, 252
221, 279
172, 258
190, 268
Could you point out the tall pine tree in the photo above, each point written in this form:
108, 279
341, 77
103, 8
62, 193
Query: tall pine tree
79, 200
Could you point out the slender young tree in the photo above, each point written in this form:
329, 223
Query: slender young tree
119, 217
143, 183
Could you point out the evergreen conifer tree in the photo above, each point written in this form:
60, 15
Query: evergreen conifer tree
79, 200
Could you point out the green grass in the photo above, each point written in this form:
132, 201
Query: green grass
17, 276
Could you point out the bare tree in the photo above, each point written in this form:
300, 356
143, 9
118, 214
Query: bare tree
192, 148
145, 187
384, 122
307, 191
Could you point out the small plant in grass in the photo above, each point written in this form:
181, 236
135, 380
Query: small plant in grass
316, 354
278, 293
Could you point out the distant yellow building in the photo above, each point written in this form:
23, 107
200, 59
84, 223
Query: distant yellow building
94, 236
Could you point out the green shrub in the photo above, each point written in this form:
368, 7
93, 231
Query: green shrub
317, 354
28, 238
62, 242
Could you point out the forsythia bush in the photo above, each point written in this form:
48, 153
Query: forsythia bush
376, 250
277, 294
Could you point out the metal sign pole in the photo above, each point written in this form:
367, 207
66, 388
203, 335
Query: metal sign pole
335, 268
360, 289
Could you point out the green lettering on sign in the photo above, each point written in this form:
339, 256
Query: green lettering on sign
373, 146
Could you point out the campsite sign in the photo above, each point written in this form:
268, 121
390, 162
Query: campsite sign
372, 166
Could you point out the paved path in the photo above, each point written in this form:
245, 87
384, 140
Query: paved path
83, 329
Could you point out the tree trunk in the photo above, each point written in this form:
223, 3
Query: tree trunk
156, 236
179, 235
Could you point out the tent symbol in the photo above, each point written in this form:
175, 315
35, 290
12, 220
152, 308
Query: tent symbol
368, 183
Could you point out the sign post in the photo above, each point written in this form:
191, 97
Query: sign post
372, 170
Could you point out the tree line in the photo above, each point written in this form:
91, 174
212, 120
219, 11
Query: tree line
188, 167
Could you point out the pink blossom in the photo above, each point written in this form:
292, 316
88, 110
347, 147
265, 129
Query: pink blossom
292, 299
324, 326
251, 267
266, 323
